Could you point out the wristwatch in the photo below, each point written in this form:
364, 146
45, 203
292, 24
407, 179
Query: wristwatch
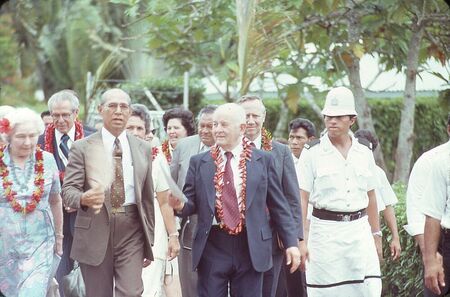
377, 233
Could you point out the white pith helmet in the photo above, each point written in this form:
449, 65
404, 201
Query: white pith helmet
339, 102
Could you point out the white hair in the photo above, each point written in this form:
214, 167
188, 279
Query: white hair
64, 95
113, 93
233, 111
5, 109
25, 115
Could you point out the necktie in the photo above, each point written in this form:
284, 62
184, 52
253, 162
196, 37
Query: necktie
63, 145
229, 198
117, 187
253, 144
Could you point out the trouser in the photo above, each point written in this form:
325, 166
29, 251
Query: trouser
66, 264
188, 278
444, 249
121, 270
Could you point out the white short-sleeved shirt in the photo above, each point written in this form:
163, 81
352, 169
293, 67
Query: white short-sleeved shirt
437, 187
415, 193
159, 164
383, 191
335, 183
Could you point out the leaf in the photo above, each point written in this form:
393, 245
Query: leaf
358, 50
439, 75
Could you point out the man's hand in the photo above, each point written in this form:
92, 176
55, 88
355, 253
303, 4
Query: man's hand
93, 198
304, 254
378, 245
146, 263
293, 258
396, 248
434, 273
174, 247
175, 202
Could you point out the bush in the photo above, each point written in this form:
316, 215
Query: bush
401, 278
168, 92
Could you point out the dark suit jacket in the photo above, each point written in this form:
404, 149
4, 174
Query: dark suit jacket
92, 230
285, 169
263, 192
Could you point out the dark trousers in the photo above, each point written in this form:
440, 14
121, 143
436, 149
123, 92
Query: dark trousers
270, 279
121, 270
66, 264
444, 249
226, 263
188, 278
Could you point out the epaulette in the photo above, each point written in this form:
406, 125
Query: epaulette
365, 142
311, 143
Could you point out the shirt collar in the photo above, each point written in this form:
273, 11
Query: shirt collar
109, 139
71, 134
236, 151
257, 141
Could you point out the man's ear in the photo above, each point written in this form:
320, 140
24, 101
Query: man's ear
76, 112
100, 108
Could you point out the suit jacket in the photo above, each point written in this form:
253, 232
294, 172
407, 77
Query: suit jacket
185, 149
263, 193
92, 230
287, 176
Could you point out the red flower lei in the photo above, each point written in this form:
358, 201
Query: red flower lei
218, 184
38, 182
165, 147
50, 136
266, 140
155, 152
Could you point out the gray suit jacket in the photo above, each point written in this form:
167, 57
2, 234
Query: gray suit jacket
185, 149
92, 230
287, 176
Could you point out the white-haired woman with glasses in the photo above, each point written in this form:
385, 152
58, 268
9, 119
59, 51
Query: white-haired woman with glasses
30, 208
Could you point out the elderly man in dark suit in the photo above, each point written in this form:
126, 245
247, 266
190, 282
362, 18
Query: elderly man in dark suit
233, 188
285, 169
58, 138
186, 148
114, 227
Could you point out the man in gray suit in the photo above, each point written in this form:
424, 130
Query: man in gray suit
114, 227
285, 169
186, 148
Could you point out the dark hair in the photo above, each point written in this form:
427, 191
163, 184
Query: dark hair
208, 109
186, 117
141, 111
45, 113
305, 124
367, 135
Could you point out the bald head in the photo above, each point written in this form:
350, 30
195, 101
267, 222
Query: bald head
115, 93
228, 125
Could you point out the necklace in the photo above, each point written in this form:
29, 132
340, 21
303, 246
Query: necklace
218, 184
22, 183
38, 182
166, 150
266, 140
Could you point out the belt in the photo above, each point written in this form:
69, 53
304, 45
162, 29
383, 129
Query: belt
125, 209
329, 215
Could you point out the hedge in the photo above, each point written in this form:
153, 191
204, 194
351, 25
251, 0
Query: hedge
403, 277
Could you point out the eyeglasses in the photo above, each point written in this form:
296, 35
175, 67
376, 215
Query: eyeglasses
115, 106
65, 116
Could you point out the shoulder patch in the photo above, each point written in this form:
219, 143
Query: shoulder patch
365, 142
312, 143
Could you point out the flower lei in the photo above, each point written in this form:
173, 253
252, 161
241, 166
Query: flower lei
218, 184
50, 136
38, 182
166, 150
155, 152
266, 140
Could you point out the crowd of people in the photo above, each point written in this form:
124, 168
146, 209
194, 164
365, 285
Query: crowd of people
255, 218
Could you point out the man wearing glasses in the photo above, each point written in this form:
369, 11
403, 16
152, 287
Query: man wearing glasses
58, 139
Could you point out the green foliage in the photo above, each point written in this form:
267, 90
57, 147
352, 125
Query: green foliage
401, 278
8, 49
168, 92
429, 125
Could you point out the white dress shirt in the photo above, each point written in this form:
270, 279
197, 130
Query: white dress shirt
127, 162
336, 183
71, 140
437, 187
258, 142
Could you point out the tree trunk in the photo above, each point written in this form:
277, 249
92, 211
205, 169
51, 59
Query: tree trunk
353, 71
406, 136
282, 121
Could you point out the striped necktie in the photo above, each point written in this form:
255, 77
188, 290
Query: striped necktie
63, 145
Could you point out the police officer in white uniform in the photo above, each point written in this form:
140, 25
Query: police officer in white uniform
336, 177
